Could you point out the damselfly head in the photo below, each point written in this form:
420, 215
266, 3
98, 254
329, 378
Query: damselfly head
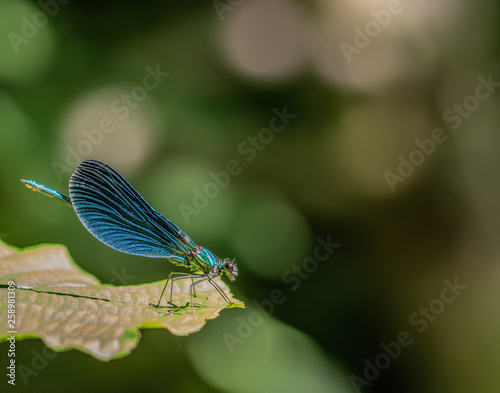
230, 268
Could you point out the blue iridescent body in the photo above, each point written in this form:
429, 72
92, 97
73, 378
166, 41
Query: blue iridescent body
116, 214
33, 185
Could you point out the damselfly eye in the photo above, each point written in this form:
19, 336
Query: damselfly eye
231, 268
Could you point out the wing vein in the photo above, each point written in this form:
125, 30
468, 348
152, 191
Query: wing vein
116, 214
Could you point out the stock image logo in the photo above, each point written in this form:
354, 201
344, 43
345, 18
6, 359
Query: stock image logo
420, 321
248, 149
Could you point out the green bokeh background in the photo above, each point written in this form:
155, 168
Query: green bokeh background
365, 80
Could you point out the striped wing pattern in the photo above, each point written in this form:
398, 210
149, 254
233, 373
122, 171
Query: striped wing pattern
116, 214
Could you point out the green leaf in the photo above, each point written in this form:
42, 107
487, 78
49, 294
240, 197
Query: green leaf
68, 308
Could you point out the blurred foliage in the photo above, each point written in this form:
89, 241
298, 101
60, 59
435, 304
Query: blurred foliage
356, 163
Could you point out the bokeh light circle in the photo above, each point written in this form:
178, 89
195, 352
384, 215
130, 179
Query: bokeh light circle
266, 40
270, 236
107, 124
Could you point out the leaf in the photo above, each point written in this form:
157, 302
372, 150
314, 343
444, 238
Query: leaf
68, 308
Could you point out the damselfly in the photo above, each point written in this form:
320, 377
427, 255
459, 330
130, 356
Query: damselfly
116, 214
